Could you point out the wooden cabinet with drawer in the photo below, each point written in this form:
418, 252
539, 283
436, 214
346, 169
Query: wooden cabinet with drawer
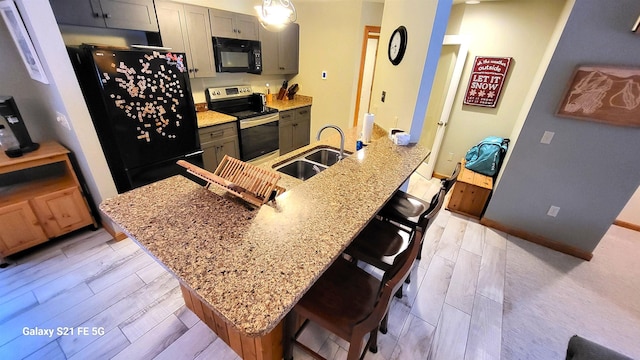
217, 141
295, 128
470, 193
41, 198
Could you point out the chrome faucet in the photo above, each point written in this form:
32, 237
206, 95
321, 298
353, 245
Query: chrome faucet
341, 138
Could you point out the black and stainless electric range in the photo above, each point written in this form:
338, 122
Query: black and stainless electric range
258, 123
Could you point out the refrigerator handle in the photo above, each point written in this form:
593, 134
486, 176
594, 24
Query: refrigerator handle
194, 153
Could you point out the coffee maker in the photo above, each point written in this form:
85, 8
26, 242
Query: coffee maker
10, 117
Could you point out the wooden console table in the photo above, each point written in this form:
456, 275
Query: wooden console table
40, 198
470, 193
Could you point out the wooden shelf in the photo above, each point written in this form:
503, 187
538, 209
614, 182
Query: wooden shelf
40, 198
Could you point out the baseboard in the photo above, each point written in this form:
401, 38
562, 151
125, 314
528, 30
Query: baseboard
540, 240
117, 235
627, 225
440, 176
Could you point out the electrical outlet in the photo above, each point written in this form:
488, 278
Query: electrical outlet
450, 158
546, 137
553, 211
62, 120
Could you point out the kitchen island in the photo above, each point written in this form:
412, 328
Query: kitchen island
242, 269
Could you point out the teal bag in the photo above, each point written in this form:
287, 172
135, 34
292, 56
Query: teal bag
486, 157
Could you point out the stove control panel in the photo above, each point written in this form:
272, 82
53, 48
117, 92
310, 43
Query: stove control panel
228, 92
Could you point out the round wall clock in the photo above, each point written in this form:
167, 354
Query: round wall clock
397, 45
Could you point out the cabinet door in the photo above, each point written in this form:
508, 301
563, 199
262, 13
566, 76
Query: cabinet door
78, 12
130, 14
199, 39
19, 228
285, 131
62, 211
301, 128
210, 156
247, 27
288, 49
269, 43
173, 28
229, 146
222, 23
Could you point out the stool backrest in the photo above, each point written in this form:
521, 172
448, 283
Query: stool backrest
392, 281
434, 209
448, 182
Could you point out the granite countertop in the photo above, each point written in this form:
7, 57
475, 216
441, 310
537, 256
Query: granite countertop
252, 265
211, 118
298, 101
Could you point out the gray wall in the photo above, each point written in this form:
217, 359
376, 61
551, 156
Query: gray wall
590, 169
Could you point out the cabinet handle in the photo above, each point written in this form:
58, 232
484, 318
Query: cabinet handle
235, 31
195, 70
239, 31
281, 68
216, 134
97, 15
190, 70
303, 112
107, 16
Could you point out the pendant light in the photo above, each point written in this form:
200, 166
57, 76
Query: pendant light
275, 15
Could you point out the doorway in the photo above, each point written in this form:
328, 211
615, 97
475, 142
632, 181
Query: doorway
367, 69
447, 76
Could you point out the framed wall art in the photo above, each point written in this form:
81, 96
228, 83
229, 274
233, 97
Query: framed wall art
487, 78
23, 42
607, 94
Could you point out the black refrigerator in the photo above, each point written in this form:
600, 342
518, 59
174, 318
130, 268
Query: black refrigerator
142, 108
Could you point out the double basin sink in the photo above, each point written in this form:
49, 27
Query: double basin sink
310, 163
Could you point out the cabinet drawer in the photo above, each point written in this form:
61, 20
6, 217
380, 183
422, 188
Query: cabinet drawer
217, 132
286, 116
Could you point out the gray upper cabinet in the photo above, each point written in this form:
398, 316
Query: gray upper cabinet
116, 14
233, 25
185, 28
280, 50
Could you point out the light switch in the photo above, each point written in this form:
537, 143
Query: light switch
546, 137
324, 75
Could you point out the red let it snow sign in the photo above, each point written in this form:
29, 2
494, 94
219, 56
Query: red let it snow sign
485, 83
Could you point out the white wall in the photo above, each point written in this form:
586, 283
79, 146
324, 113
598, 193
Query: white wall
331, 36
496, 29
39, 103
401, 83
631, 212
590, 169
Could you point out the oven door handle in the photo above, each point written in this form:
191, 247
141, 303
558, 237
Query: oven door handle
247, 123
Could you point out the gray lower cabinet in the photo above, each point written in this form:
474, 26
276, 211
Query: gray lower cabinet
295, 128
216, 142
115, 14
186, 28
280, 50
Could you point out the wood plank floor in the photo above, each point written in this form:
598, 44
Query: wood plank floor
133, 309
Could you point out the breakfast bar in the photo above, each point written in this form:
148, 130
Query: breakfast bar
242, 269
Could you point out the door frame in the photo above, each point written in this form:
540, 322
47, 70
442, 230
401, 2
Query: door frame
370, 32
463, 50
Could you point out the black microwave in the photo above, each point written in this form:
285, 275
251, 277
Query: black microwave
236, 55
